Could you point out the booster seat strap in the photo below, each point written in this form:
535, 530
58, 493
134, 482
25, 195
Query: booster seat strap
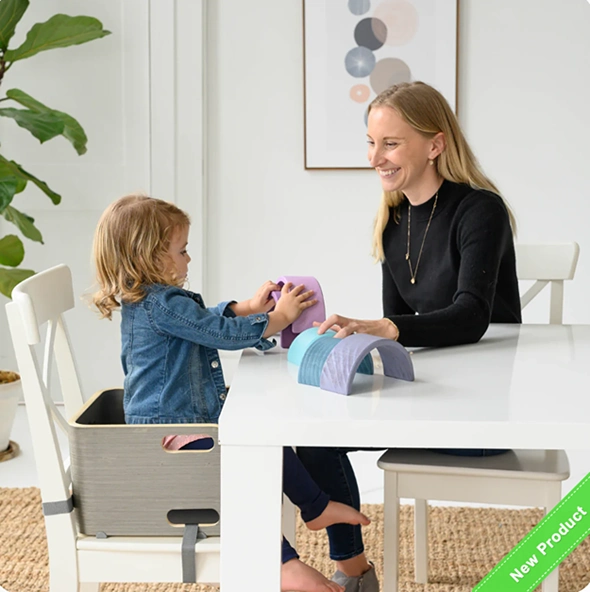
54, 508
189, 540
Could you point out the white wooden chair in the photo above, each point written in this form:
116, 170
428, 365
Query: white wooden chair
519, 477
78, 563
547, 264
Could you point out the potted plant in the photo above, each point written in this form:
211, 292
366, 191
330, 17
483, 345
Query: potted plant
9, 396
44, 123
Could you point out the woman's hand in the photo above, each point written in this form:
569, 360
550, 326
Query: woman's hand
291, 304
345, 327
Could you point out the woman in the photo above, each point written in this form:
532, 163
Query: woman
444, 238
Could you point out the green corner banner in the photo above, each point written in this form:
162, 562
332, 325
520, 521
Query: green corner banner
545, 547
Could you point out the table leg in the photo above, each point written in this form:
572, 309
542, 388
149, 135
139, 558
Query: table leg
251, 494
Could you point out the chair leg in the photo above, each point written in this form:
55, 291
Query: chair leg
289, 520
421, 541
551, 582
391, 533
63, 581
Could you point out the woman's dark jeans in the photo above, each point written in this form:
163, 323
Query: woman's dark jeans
298, 486
330, 468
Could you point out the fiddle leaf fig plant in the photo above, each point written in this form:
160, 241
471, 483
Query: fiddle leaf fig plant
43, 122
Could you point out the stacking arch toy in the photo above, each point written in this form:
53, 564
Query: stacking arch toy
332, 363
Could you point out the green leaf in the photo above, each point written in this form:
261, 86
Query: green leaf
11, 11
73, 131
6, 174
18, 171
43, 126
60, 30
12, 250
8, 187
24, 223
9, 278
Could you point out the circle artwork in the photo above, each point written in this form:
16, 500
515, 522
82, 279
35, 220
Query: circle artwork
360, 93
401, 20
370, 33
359, 7
359, 62
387, 72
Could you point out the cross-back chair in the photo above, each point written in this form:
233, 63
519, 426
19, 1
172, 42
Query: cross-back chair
80, 562
518, 477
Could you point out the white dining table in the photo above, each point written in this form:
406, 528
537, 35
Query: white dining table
521, 386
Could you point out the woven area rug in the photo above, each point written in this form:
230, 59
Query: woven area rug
465, 544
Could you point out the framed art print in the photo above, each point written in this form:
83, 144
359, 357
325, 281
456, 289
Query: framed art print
353, 50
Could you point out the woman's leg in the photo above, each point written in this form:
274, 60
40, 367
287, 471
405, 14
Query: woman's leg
296, 575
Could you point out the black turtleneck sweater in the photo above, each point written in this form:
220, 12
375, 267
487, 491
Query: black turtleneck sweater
466, 278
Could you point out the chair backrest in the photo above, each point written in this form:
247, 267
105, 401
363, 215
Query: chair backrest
550, 263
38, 301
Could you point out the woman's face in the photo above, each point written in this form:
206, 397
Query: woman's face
178, 253
397, 151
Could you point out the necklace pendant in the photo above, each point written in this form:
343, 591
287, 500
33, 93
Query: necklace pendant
413, 280
407, 256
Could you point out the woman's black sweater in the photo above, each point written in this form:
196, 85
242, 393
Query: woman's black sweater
466, 278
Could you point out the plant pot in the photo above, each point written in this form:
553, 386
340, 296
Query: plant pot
10, 390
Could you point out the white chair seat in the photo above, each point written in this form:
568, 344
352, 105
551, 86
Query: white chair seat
550, 465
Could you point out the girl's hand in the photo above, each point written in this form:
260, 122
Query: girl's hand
294, 301
345, 327
262, 300
291, 304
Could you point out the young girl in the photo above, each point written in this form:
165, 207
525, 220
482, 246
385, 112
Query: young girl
170, 339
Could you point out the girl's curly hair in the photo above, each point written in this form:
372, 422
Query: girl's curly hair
130, 249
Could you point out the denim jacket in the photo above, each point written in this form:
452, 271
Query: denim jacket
169, 354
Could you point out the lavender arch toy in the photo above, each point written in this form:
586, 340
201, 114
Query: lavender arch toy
315, 313
332, 363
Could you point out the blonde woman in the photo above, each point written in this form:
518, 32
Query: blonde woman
444, 237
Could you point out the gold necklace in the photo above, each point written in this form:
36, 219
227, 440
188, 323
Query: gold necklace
413, 272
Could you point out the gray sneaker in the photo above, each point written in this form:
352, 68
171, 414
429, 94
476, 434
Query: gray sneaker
366, 582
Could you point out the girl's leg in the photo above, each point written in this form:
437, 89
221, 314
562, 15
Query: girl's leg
300, 488
330, 468
317, 511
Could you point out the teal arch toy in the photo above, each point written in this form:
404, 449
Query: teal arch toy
304, 340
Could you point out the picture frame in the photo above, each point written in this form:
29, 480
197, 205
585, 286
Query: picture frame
354, 49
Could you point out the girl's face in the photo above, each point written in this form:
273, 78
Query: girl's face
178, 254
397, 151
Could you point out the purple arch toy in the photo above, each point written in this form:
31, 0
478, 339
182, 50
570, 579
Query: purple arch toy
332, 367
315, 313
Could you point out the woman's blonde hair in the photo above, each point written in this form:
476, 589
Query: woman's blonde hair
428, 112
130, 249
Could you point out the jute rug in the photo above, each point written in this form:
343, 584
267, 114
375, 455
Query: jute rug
465, 544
